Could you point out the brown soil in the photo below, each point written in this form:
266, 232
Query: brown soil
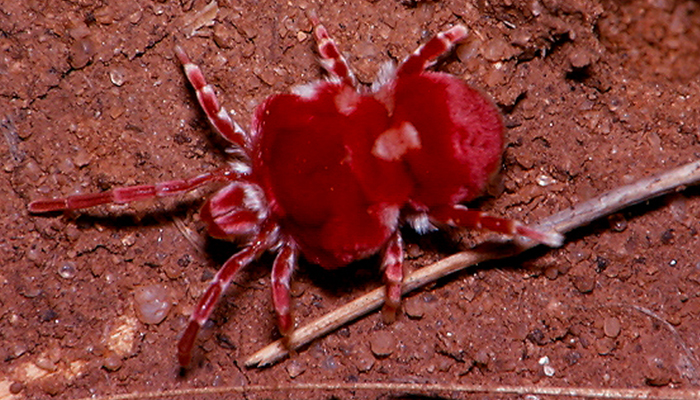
595, 95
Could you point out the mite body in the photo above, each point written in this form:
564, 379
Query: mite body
332, 170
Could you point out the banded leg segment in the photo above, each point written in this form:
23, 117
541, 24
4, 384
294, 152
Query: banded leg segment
392, 263
217, 115
461, 216
282, 270
331, 59
216, 288
132, 193
426, 54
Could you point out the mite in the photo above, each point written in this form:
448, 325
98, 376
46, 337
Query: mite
332, 170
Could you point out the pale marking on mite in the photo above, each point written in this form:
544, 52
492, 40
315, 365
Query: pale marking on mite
307, 91
240, 167
445, 39
254, 199
420, 223
386, 74
390, 217
327, 65
382, 88
223, 115
393, 143
189, 68
208, 90
236, 127
346, 101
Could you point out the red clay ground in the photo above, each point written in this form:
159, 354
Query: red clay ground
595, 95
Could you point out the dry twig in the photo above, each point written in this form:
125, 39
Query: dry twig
414, 388
562, 222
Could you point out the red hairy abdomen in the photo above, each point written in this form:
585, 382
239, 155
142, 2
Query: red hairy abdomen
461, 136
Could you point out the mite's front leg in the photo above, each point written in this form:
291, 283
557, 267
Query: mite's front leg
217, 115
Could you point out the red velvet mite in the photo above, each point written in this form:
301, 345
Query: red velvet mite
333, 169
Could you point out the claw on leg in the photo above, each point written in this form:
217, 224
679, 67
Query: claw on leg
217, 115
461, 216
426, 54
218, 285
331, 59
282, 270
392, 262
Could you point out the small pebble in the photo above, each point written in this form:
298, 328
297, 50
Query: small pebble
658, 379
611, 327
605, 346
116, 111
46, 364
413, 251
129, 240
468, 50
382, 343
16, 387
18, 349
53, 385
583, 284
117, 76
667, 236
152, 303
545, 180
548, 370
112, 362
363, 360
78, 30
414, 307
224, 37
537, 337
482, 357
67, 270
469, 294
136, 17
106, 15
34, 253
82, 158
294, 369
656, 373
551, 273
430, 368
48, 315
329, 364
121, 336
675, 318
614, 104
496, 50
81, 52
444, 364
580, 58
617, 222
